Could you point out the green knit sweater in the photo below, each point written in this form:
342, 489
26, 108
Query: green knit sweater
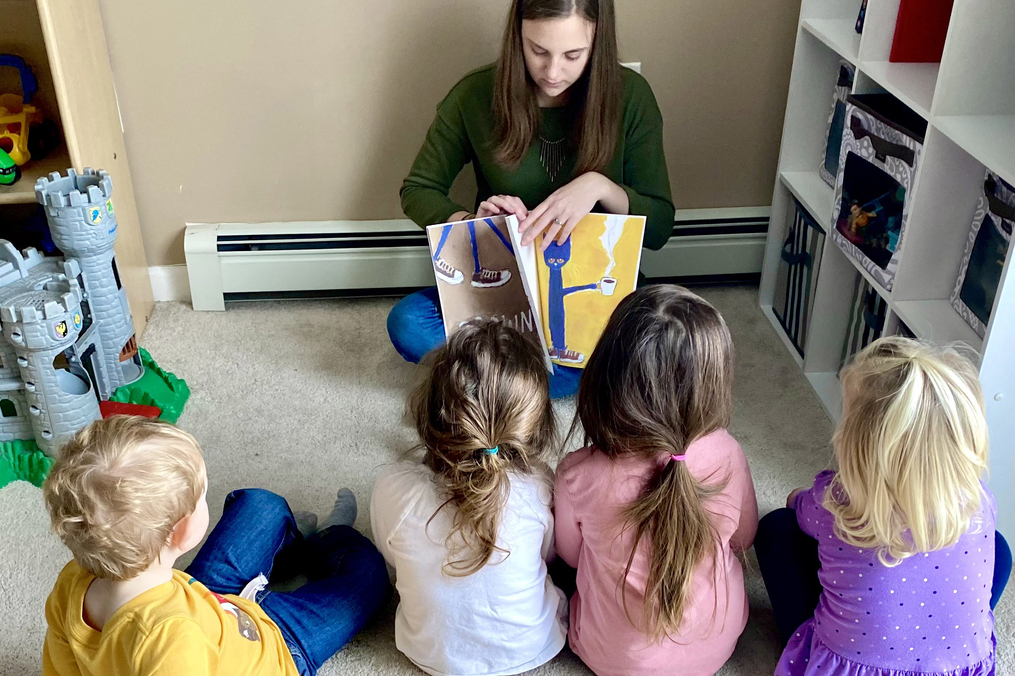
463, 131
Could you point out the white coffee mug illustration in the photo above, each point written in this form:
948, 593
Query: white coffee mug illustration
608, 285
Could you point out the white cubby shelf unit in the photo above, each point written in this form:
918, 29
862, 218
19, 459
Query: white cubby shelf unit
968, 101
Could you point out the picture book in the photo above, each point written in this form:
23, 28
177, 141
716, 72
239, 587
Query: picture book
477, 275
560, 298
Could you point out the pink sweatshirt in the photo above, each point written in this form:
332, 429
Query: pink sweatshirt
591, 492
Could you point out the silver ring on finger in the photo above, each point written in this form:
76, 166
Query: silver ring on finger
558, 222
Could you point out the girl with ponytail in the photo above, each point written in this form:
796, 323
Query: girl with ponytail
891, 564
469, 529
654, 509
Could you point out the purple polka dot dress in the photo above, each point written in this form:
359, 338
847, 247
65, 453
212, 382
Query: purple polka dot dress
928, 615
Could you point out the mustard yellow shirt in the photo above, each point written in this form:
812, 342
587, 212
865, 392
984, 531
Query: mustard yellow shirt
178, 628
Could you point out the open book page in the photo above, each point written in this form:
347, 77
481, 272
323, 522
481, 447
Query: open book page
526, 258
477, 275
583, 280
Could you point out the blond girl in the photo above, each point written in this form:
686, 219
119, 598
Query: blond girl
903, 531
654, 509
469, 529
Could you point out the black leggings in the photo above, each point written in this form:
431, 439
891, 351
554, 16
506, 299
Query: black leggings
789, 563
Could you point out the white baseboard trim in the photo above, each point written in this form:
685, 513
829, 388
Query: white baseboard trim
682, 256
169, 282
705, 256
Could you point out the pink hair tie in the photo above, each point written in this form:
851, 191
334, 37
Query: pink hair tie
678, 458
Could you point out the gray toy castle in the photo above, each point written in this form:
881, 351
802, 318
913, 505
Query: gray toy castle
68, 337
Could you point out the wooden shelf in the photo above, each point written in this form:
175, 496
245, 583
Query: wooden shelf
839, 34
937, 321
911, 83
990, 139
829, 390
813, 193
23, 192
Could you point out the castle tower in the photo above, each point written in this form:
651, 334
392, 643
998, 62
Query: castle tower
40, 324
82, 222
14, 422
14, 419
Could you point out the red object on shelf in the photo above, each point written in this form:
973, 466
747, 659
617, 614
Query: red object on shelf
111, 408
920, 31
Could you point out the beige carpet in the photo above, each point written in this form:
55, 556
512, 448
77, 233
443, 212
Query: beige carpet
304, 397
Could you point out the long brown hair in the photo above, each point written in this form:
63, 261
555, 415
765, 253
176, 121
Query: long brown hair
485, 389
660, 379
593, 102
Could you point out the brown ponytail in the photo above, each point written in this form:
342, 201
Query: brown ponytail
485, 389
660, 379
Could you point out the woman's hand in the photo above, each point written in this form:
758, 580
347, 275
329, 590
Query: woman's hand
502, 205
558, 215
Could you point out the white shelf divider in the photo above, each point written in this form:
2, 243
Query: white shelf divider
813, 193
829, 390
839, 34
770, 313
936, 321
988, 138
834, 250
911, 83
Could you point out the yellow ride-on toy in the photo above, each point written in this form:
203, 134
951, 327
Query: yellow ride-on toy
18, 118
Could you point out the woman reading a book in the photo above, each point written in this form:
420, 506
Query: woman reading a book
554, 130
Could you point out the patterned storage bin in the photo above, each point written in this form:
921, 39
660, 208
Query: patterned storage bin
797, 276
867, 314
836, 123
881, 145
986, 250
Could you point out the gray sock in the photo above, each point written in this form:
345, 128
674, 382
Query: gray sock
344, 513
306, 523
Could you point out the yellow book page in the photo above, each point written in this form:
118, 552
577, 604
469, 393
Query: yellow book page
582, 281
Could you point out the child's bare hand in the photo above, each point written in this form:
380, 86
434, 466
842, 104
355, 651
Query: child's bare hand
793, 494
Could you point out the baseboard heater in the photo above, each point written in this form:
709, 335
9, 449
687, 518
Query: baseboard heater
255, 261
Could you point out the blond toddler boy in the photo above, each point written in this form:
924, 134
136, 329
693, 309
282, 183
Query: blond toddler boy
128, 497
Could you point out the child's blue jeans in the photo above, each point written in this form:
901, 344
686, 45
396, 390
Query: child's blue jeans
348, 580
416, 326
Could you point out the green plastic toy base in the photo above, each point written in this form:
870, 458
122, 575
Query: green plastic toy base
157, 387
23, 461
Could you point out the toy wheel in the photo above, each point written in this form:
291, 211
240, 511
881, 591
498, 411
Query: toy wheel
17, 177
43, 138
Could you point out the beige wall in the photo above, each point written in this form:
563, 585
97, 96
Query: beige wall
314, 110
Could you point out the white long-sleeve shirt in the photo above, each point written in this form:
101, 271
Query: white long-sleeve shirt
504, 619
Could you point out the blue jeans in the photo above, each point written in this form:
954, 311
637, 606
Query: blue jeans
348, 578
788, 559
416, 326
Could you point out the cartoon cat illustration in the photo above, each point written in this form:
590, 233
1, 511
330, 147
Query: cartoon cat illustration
556, 257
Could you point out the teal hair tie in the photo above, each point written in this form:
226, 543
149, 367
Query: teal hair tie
492, 451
